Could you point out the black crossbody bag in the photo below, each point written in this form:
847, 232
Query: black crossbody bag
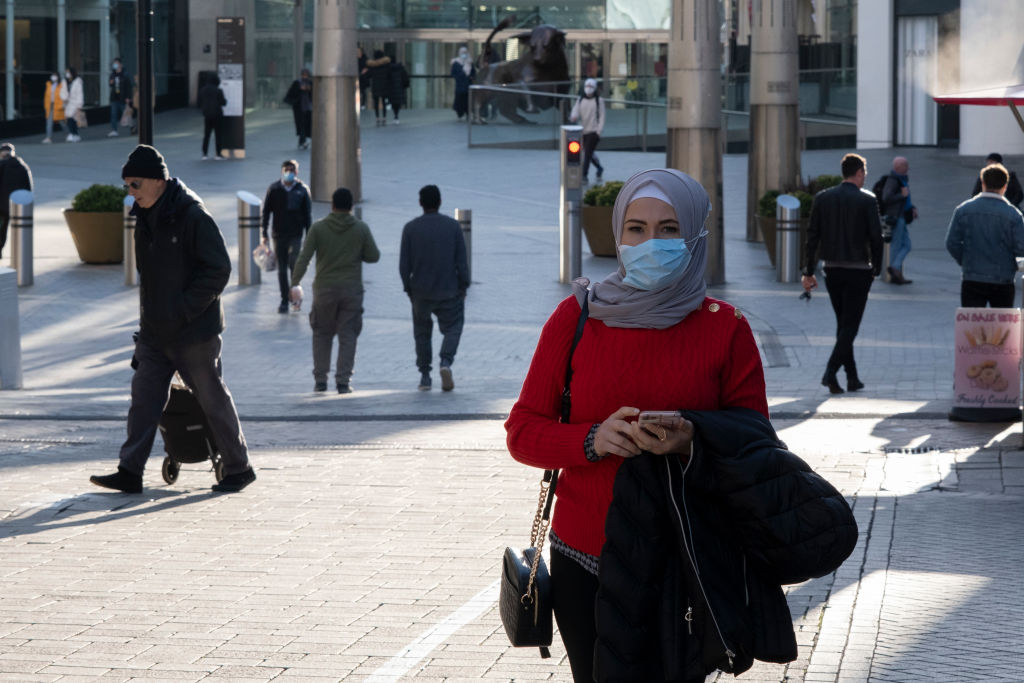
525, 598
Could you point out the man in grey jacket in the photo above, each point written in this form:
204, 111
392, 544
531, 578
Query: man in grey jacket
899, 212
985, 234
435, 275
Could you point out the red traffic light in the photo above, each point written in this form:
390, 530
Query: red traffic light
574, 147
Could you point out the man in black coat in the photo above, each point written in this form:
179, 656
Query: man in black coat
14, 175
183, 268
289, 203
211, 103
845, 232
1014, 191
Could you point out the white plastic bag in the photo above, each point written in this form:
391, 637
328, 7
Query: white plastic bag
264, 258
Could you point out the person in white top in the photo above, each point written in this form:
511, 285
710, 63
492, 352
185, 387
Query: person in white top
71, 93
589, 112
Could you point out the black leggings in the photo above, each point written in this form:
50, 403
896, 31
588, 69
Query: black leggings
573, 591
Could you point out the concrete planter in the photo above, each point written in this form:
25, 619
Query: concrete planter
597, 226
98, 236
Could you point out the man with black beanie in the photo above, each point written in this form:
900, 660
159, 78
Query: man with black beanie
183, 268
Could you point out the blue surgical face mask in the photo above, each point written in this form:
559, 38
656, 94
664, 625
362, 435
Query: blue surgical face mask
288, 176
655, 263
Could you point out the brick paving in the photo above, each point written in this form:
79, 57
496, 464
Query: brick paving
368, 549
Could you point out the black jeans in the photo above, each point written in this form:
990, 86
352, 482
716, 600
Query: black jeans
211, 124
573, 590
450, 317
974, 294
848, 291
286, 249
199, 365
590, 141
5, 219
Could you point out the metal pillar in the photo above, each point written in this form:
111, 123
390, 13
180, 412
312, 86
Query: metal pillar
465, 219
144, 29
694, 116
62, 17
335, 159
774, 157
570, 196
298, 36
9, 56
105, 57
787, 238
10, 335
20, 228
248, 237
131, 271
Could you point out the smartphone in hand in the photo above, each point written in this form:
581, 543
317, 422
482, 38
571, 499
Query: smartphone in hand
661, 417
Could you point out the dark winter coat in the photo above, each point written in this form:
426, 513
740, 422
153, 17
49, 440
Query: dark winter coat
14, 175
211, 101
844, 227
432, 259
695, 554
1014, 191
397, 85
288, 222
183, 268
380, 76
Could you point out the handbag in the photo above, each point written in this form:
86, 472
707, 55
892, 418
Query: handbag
908, 216
127, 118
524, 601
80, 119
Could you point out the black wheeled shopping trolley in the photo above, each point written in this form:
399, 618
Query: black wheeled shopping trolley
187, 435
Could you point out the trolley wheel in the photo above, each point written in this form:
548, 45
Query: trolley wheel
218, 469
170, 470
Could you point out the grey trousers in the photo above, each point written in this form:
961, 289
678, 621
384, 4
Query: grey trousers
337, 311
199, 365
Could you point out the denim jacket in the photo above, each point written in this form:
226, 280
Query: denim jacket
984, 236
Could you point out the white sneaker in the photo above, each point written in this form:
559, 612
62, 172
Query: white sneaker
78, 138
70, 138
205, 157
217, 157
113, 134
47, 141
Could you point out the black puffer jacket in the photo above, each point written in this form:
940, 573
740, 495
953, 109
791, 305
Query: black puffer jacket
844, 227
183, 268
694, 558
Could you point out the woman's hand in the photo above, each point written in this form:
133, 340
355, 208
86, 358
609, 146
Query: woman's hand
614, 436
670, 435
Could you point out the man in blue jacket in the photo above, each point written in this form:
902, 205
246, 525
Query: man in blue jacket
435, 275
985, 235
183, 268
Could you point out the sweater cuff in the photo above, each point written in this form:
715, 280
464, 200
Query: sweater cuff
588, 445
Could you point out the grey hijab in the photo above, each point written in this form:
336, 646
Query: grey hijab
620, 305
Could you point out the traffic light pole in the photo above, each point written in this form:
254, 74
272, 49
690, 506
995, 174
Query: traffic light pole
570, 195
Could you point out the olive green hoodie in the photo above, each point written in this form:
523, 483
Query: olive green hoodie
341, 243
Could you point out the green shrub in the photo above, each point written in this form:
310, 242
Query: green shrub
603, 195
823, 182
99, 198
766, 205
806, 200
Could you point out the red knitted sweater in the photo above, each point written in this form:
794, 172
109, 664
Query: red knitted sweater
707, 361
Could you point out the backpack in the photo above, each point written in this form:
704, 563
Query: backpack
877, 189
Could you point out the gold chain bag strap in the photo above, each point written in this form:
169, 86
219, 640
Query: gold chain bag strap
525, 598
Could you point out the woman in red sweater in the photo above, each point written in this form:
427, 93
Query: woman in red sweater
652, 341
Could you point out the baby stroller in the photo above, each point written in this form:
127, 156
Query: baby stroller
186, 433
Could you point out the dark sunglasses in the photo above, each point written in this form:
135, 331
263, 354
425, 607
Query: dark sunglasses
135, 185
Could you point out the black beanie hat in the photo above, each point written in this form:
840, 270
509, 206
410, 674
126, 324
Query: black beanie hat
145, 162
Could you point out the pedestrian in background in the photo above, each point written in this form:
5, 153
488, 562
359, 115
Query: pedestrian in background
74, 100
300, 97
211, 104
985, 235
53, 105
589, 111
380, 85
1014, 192
288, 202
846, 233
183, 269
341, 243
364, 76
435, 275
398, 83
463, 72
14, 175
120, 95
899, 213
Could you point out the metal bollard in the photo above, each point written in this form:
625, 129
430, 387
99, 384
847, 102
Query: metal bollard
131, 272
10, 336
20, 211
465, 219
787, 238
248, 237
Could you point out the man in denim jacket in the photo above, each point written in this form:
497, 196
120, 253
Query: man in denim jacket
985, 234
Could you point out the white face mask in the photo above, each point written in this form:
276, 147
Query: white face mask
54, 78
117, 66
588, 90
463, 53
67, 75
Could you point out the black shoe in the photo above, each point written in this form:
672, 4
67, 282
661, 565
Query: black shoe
344, 388
600, 172
233, 483
447, 382
854, 384
320, 386
424, 381
283, 308
830, 381
122, 480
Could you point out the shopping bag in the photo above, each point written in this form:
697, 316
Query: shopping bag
264, 258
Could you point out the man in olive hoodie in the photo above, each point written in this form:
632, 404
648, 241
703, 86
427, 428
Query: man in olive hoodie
341, 243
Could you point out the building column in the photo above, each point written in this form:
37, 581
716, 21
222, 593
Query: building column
105, 56
875, 69
335, 158
774, 157
10, 59
694, 116
62, 39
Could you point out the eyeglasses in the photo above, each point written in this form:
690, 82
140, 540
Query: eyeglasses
134, 185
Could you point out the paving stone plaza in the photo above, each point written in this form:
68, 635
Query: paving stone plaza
369, 547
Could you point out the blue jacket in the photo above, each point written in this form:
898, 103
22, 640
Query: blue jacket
432, 260
984, 235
